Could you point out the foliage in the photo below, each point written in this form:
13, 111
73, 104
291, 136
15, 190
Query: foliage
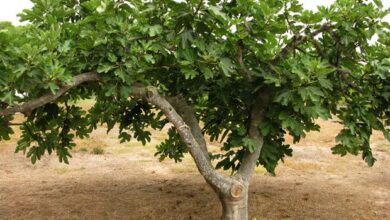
191, 48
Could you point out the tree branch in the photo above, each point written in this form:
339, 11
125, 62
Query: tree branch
49, 97
188, 115
298, 40
198, 7
318, 48
239, 57
202, 162
258, 112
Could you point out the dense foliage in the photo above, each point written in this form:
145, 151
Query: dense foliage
216, 54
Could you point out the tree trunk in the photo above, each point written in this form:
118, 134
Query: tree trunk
235, 204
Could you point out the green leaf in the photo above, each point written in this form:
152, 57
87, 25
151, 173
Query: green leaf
368, 157
217, 12
325, 83
65, 47
112, 58
386, 134
53, 87
186, 38
227, 66
378, 3
285, 97
149, 58
121, 74
249, 144
5, 131
104, 68
155, 30
207, 73
8, 98
189, 73
102, 7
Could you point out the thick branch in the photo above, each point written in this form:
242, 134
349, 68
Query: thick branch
188, 115
298, 40
49, 97
239, 57
258, 112
214, 178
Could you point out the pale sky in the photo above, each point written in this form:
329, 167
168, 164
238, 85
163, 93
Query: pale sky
10, 8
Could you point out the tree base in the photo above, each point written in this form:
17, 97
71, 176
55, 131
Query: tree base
235, 205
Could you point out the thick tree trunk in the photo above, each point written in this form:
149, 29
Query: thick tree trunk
235, 202
234, 209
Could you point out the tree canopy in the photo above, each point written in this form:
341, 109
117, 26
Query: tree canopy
251, 71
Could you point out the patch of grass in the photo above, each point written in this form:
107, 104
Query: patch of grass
97, 151
61, 170
183, 168
303, 166
83, 149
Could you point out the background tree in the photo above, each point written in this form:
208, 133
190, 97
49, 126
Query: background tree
251, 71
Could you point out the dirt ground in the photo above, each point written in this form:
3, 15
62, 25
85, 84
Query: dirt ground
128, 182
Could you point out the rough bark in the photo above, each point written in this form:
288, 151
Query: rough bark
240, 60
215, 179
235, 205
188, 115
257, 116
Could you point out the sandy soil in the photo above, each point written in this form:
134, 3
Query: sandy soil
128, 182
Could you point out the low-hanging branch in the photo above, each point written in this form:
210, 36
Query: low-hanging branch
49, 97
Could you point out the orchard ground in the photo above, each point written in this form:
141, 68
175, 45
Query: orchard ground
126, 181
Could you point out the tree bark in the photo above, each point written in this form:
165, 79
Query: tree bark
257, 116
188, 115
235, 204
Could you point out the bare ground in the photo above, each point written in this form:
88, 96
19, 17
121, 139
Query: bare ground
128, 182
